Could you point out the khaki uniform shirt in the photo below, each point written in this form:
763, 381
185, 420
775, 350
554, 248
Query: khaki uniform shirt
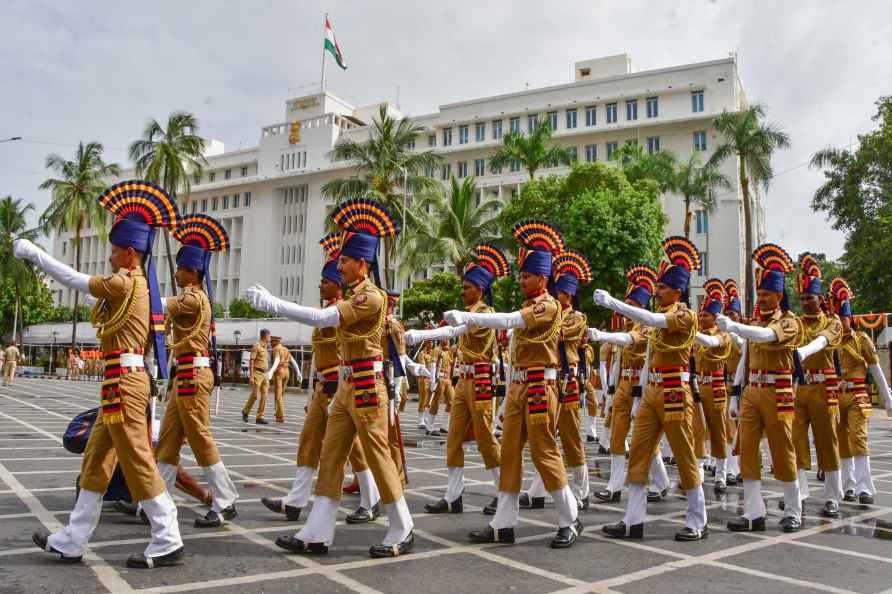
775, 355
284, 356
634, 354
190, 316
713, 359
259, 358
113, 290
362, 324
856, 353
573, 328
537, 343
830, 327
666, 343
478, 345
325, 348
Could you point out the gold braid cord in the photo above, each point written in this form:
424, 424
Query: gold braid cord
854, 351
661, 345
107, 323
542, 338
318, 338
346, 336
191, 332
473, 356
720, 357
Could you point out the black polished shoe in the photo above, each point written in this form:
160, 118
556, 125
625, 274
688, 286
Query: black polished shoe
719, 487
830, 509
381, 551
608, 496
742, 524
850, 496
602, 450
620, 530
656, 496
490, 508
790, 524
505, 535
590, 439
731, 479
262, 422
40, 539
244, 417
139, 561
865, 498
442, 506
296, 545
527, 502
363, 515
689, 534
566, 536
214, 519
275, 505
125, 507
781, 505
582, 505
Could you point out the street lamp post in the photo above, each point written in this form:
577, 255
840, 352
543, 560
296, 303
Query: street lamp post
53, 354
238, 355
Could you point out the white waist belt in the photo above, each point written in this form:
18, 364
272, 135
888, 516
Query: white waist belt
520, 375
814, 378
657, 378
377, 367
468, 369
761, 378
201, 362
132, 360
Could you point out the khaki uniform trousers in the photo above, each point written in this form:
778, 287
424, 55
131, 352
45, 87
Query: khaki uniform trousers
186, 417
424, 393
758, 416
259, 389
441, 395
852, 426
309, 445
716, 430
371, 427
465, 412
650, 424
591, 402
8, 372
125, 444
516, 431
357, 456
620, 417
569, 424
280, 382
811, 409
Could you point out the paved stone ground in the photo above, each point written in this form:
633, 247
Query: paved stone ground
37, 489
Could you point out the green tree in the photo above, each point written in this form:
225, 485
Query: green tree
857, 197
385, 169
533, 152
74, 203
170, 157
35, 304
240, 308
440, 293
829, 270
13, 225
613, 223
753, 141
448, 227
697, 183
637, 164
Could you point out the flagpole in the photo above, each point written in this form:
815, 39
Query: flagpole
324, 33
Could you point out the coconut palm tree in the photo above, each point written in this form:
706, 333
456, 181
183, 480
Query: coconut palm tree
74, 203
13, 225
447, 227
697, 183
533, 151
170, 157
385, 169
753, 141
638, 164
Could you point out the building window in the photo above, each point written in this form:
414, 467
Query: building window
496, 129
429, 171
495, 170
196, 179
445, 171
225, 202
515, 125
410, 145
244, 172
702, 221
574, 153
479, 167
591, 116
235, 200
591, 153
462, 169
463, 135
532, 122
247, 199
653, 145
653, 107
704, 264
447, 136
227, 174
479, 132
214, 203
552, 120
697, 101
611, 150
514, 165
700, 140
212, 176
204, 205
571, 119
431, 140
611, 113
632, 109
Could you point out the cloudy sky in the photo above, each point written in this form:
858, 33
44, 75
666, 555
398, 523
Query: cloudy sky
97, 70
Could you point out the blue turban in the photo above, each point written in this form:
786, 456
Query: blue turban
676, 276
330, 272
360, 246
567, 283
480, 276
537, 262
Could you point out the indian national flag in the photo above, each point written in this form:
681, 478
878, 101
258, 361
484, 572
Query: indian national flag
331, 44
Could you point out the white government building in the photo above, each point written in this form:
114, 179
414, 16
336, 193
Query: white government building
270, 201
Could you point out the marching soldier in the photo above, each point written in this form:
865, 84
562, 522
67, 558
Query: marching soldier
473, 404
734, 311
11, 356
442, 356
128, 317
72, 364
360, 406
857, 356
279, 374
531, 404
591, 383
258, 378
767, 403
190, 316
666, 405
424, 384
817, 397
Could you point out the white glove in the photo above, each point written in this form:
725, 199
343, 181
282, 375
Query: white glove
261, 299
455, 317
421, 371
734, 408
602, 298
723, 322
412, 337
24, 249
269, 376
63, 273
594, 334
636, 402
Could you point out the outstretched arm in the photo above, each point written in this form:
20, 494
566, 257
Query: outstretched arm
811, 348
435, 334
708, 341
754, 333
642, 316
261, 299
499, 321
617, 338
63, 274
413, 367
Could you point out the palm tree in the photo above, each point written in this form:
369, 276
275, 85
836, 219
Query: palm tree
533, 152
753, 141
74, 203
637, 165
697, 183
170, 157
385, 169
448, 227
13, 225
